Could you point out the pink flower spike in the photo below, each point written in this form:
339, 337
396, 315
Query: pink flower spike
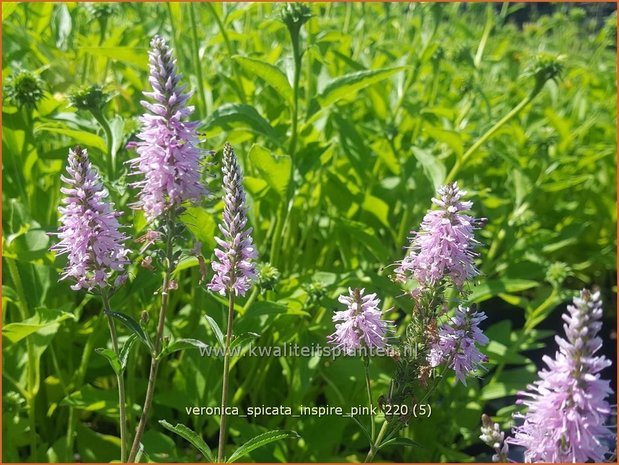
234, 266
444, 248
568, 407
89, 232
168, 157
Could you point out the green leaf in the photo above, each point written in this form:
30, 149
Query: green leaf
363, 428
229, 115
271, 74
377, 207
44, 318
112, 358
134, 327
433, 168
451, 138
242, 339
274, 169
82, 137
399, 442
259, 441
192, 437
215, 328
124, 352
349, 84
491, 288
136, 56
181, 344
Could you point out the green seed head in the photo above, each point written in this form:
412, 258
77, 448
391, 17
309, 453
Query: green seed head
295, 15
268, 276
91, 98
546, 67
25, 89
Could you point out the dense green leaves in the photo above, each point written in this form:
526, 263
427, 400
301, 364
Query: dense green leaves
337, 171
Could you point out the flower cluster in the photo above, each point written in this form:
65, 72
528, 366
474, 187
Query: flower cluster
168, 156
456, 343
444, 246
362, 324
567, 406
89, 231
235, 268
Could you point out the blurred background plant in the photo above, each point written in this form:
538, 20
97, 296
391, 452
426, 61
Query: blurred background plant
346, 118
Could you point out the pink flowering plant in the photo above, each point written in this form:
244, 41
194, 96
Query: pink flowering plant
320, 232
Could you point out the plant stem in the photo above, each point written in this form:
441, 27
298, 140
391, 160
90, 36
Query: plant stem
119, 377
196, 57
517, 109
226, 380
296, 53
33, 382
154, 364
374, 447
366, 365
78, 381
224, 34
111, 155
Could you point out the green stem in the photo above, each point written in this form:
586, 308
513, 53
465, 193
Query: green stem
250, 300
489, 133
277, 234
366, 365
224, 34
296, 52
33, 387
154, 364
226, 380
374, 447
196, 57
78, 381
111, 155
122, 404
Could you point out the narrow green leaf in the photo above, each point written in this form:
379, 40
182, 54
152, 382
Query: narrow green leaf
126, 349
242, 339
132, 55
451, 138
192, 437
432, 167
44, 318
271, 74
215, 328
112, 358
274, 169
349, 84
363, 428
259, 441
82, 137
399, 442
234, 115
491, 288
134, 327
182, 344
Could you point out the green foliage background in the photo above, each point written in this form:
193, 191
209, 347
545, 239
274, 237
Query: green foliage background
389, 97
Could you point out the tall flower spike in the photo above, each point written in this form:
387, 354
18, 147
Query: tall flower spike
168, 156
456, 343
234, 267
89, 231
565, 421
444, 247
362, 324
